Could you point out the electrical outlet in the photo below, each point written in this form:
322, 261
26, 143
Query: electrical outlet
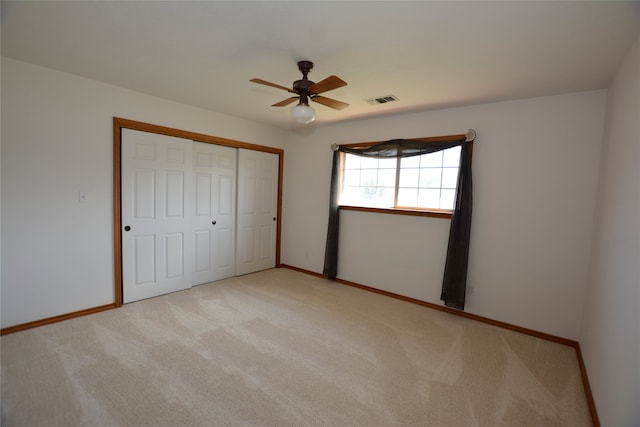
471, 290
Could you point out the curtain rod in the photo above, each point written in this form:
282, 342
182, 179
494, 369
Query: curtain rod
470, 135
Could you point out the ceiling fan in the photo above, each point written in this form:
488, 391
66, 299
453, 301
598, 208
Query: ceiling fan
306, 90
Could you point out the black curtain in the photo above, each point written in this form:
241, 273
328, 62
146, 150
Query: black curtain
455, 272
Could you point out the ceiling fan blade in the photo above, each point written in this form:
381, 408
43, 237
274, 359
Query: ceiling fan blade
286, 102
338, 105
330, 83
266, 83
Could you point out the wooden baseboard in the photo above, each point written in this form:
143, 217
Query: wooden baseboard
527, 331
543, 335
302, 270
587, 387
55, 319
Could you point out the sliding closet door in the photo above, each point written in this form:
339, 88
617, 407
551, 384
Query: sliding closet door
257, 210
214, 221
157, 242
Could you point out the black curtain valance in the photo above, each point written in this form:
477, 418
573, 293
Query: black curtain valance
455, 271
400, 148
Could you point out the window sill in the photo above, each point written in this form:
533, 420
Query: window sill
400, 211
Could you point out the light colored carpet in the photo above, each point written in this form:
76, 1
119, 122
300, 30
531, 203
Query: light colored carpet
282, 348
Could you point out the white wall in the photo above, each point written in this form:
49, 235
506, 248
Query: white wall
610, 339
57, 138
535, 178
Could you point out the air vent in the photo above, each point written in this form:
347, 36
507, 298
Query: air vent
382, 99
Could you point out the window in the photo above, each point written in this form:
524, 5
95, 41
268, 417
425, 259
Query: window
423, 182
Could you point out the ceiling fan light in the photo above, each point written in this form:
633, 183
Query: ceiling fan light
302, 113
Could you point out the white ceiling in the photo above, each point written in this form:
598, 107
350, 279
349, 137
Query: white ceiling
428, 54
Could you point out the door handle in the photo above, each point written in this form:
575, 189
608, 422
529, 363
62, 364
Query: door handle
127, 228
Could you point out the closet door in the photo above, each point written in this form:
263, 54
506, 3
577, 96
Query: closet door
214, 220
257, 210
156, 214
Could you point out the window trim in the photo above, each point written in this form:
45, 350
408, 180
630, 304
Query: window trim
433, 213
409, 211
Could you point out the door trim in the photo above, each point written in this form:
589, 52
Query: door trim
119, 124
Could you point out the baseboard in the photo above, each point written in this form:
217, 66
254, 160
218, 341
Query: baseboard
587, 387
543, 335
55, 319
302, 270
504, 325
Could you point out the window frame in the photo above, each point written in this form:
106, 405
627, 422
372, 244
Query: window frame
409, 211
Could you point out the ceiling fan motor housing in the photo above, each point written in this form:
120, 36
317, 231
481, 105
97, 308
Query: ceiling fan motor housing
301, 87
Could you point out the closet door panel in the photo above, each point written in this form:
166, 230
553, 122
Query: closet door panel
156, 235
214, 223
257, 211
